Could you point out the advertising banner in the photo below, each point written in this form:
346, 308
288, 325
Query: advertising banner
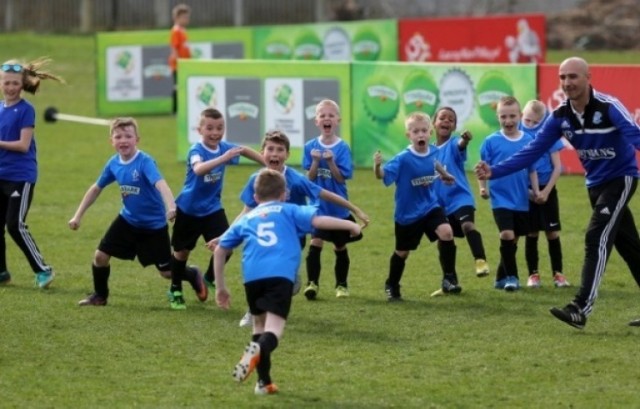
385, 93
133, 72
372, 40
604, 78
257, 96
510, 39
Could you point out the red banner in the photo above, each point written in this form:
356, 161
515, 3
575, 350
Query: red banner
605, 78
514, 38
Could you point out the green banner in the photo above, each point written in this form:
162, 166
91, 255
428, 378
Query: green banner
257, 96
372, 40
133, 72
385, 93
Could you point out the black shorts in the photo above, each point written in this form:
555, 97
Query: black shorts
269, 295
512, 220
124, 241
546, 216
339, 238
187, 229
462, 215
408, 236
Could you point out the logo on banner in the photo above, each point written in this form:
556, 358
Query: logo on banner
125, 61
525, 45
456, 91
284, 98
206, 94
417, 49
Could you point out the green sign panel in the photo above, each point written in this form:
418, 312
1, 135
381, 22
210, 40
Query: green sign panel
385, 93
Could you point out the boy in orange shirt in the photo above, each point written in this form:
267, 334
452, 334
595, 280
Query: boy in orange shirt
179, 45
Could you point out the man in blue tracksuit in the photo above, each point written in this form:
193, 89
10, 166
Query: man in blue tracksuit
605, 137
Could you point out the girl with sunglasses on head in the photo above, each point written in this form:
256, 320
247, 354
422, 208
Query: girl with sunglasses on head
18, 163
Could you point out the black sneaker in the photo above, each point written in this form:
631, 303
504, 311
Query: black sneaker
570, 314
635, 323
93, 300
393, 292
450, 285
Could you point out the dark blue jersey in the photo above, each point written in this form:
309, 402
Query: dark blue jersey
270, 233
510, 192
324, 178
414, 175
605, 140
544, 165
453, 197
200, 195
142, 204
17, 166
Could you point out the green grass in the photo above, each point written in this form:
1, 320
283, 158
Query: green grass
482, 349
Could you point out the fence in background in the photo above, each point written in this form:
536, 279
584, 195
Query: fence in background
88, 16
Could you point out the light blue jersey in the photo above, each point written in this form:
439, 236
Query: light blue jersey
414, 175
270, 233
17, 166
324, 179
510, 192
201, 195
142, 204
299, 189
453, 197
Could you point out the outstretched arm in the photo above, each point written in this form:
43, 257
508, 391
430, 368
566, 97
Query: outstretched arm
377, 165
223, 298
89, 198
167, 198
340, 201
333, 223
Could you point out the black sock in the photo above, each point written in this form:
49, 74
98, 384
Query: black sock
474, 238
531, 254
268, 343
255, 337
342, 267
396, 268
101, 280
500, 271
447, 255
555, 254
208, 275
178, 268
313, 264
508, 250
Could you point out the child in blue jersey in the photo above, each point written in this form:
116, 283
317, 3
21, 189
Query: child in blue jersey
199, 209
544, 211
327, 160
604, 134
456, 199
140, 229
417, 209
509, 197
19, 164
300, 190
270, 232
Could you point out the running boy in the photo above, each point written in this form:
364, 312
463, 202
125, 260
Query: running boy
147, 202
456, 199
178, 42
199, 208
269, 266
544, 213
417, 210
509, 197
327, 160
275, 152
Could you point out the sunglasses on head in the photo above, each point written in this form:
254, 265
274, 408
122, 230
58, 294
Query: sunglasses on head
12, 68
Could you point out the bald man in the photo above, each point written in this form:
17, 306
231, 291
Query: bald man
605, 137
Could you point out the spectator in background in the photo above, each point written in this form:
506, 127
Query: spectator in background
179, 45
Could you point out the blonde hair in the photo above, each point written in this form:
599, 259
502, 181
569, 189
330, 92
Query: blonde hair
416, 117
179, 10
507, 101
32, 73
535, 106
269, 185
328, 102
123, 122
